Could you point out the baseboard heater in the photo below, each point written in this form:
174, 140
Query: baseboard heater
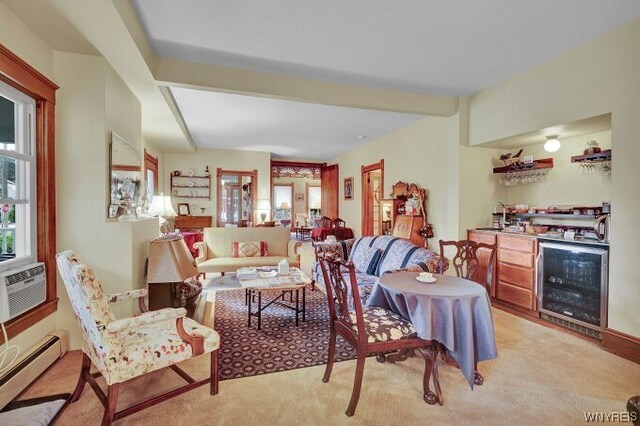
31, 364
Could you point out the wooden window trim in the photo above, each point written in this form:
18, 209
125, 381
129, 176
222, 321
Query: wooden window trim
17, 73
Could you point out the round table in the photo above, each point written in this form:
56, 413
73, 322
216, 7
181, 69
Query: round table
453, 311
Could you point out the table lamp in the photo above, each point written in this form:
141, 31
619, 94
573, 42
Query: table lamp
263, 207
162, 208
170, 265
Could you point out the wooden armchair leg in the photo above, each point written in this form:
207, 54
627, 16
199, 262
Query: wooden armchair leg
110, 407
214, 373
82, 380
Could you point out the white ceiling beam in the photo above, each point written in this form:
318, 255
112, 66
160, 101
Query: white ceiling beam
186, 74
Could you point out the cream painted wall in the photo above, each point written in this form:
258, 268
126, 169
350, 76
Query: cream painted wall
598, 77
91, 102
22, 41
479, 191
563, 184
300, 187
425, 152
217, 158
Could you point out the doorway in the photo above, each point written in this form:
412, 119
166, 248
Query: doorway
372, 195
236, 197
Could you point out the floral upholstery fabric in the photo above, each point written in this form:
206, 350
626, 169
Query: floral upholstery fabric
158, 345
118, 355
397, 254
382, 325
146, 318
127, 295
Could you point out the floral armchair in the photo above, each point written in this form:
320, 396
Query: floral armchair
122, 349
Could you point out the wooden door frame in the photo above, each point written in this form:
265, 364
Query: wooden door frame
273, 207
254, 197
366, 215
151, 163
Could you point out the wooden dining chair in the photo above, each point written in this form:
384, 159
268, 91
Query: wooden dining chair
338, 223
323, 222
473, 261
371, 330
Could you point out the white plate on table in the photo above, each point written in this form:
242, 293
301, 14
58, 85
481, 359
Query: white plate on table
427, 280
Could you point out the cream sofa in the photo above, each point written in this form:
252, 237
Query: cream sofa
214, 252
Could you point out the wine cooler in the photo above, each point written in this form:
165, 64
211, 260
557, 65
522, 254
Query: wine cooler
572, 285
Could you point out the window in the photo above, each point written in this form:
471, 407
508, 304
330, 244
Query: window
28, 146
17, 178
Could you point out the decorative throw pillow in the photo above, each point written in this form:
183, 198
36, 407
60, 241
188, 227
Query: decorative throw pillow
249, 249
369, 262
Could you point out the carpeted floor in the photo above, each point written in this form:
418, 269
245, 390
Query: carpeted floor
280, 345
541, 377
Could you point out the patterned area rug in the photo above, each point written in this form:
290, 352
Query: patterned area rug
279, 345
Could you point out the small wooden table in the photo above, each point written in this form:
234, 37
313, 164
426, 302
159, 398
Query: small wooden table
296, 283
302, 233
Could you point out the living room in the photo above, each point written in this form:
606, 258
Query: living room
104, 58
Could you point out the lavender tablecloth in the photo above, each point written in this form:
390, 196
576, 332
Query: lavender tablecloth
454, 311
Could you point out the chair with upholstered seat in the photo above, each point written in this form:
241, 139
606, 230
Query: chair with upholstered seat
470, 260
371, 330
122, 349
338, 223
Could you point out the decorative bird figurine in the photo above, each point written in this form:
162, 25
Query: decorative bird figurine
511, 155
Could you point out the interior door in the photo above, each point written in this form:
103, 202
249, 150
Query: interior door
372, 187
329, 191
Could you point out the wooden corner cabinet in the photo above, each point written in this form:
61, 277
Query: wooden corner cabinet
185, 186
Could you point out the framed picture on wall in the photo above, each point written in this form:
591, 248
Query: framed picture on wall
348, 188
183, 209
299, 196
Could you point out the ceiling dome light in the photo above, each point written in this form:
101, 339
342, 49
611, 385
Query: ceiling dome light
552, 144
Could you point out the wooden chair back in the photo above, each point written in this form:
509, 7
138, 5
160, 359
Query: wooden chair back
467, 260
338, 223
342, 293
323, 222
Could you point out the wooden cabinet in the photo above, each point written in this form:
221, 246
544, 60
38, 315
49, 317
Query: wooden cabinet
516, 270
483, 257
185, 223
515, 277
408, 227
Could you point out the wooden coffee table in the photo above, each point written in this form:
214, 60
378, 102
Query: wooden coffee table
294, 286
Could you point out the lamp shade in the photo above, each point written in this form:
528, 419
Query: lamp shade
263, 205
161, 206
284, 205
170, 260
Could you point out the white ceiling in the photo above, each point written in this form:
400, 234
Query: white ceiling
452, 47
284, 128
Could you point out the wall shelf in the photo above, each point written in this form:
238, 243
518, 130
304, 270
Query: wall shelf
199, 190
553, 215
592, 158
544, 163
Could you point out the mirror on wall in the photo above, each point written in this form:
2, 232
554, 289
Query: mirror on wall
126, 179
236, 197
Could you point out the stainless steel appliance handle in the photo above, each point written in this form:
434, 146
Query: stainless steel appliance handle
539, 277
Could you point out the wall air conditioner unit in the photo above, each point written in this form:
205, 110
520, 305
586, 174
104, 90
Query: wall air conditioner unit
21, 289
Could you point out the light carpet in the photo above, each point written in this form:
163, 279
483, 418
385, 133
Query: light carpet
542, 376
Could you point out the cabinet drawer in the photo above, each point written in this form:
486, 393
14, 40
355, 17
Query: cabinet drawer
521, 277
517, 243
480, 237
516, 257
516, 295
